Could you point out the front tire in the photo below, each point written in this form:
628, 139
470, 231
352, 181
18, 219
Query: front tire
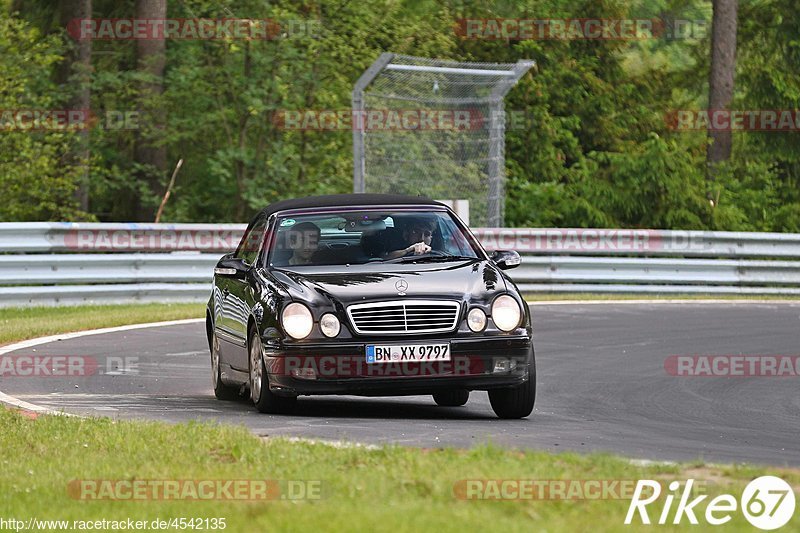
515, 402
221, 391
451, 398
264, 399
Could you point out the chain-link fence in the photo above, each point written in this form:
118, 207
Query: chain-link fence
434, 127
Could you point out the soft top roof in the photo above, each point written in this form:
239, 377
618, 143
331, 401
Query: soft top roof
348, 200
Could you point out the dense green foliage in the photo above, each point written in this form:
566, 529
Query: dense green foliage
33, 184
595, 149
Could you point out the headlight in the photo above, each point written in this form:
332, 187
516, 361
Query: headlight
506, 312
297, 320
329, 325
476, 320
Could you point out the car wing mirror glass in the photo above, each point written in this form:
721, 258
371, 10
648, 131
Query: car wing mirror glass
506, 259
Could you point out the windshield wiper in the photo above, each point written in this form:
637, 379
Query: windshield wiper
431, 258
449, 258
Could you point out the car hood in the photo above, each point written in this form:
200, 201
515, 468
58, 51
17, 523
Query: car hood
347, 285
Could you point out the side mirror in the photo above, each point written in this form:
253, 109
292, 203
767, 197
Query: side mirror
506, 259
230, 267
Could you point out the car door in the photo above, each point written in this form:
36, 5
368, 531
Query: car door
240, 298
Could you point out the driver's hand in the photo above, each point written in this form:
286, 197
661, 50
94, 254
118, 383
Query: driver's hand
419, 248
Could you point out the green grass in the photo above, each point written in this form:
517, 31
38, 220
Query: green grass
582, 296
27, 322
387, 489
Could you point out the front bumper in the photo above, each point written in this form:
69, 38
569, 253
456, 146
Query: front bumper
332, 368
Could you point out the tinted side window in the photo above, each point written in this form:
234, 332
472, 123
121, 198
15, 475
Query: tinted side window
249, 247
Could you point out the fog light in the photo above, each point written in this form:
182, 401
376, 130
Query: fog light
304, 373
505, 365
329, 325
476, 320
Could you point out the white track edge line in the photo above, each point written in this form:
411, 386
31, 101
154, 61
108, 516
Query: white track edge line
26, 406
661, 301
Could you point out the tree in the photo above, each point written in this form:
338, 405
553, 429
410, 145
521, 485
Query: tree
721, 79
74, 72
35, 184
150, 154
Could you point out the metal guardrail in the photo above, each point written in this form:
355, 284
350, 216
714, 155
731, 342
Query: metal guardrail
62, 269
641, 243
45, 263
35, 237
104, 294
649, 275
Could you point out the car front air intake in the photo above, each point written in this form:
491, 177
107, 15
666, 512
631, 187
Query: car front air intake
404, 317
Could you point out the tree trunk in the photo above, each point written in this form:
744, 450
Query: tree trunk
721, 79
74, 72
240, 165
151, 60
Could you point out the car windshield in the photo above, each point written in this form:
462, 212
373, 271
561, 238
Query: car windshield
357, 237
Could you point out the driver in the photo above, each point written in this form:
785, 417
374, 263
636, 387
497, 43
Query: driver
417, 237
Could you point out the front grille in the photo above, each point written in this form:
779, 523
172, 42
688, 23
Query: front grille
404, 317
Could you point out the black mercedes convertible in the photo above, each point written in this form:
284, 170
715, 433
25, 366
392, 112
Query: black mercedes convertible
371, 295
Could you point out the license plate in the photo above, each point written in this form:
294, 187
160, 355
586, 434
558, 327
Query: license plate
393, 353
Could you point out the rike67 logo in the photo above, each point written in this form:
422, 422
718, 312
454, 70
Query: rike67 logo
767, 502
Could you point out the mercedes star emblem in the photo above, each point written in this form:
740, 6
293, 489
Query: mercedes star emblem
401, 286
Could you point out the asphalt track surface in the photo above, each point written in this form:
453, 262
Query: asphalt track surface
602, 380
